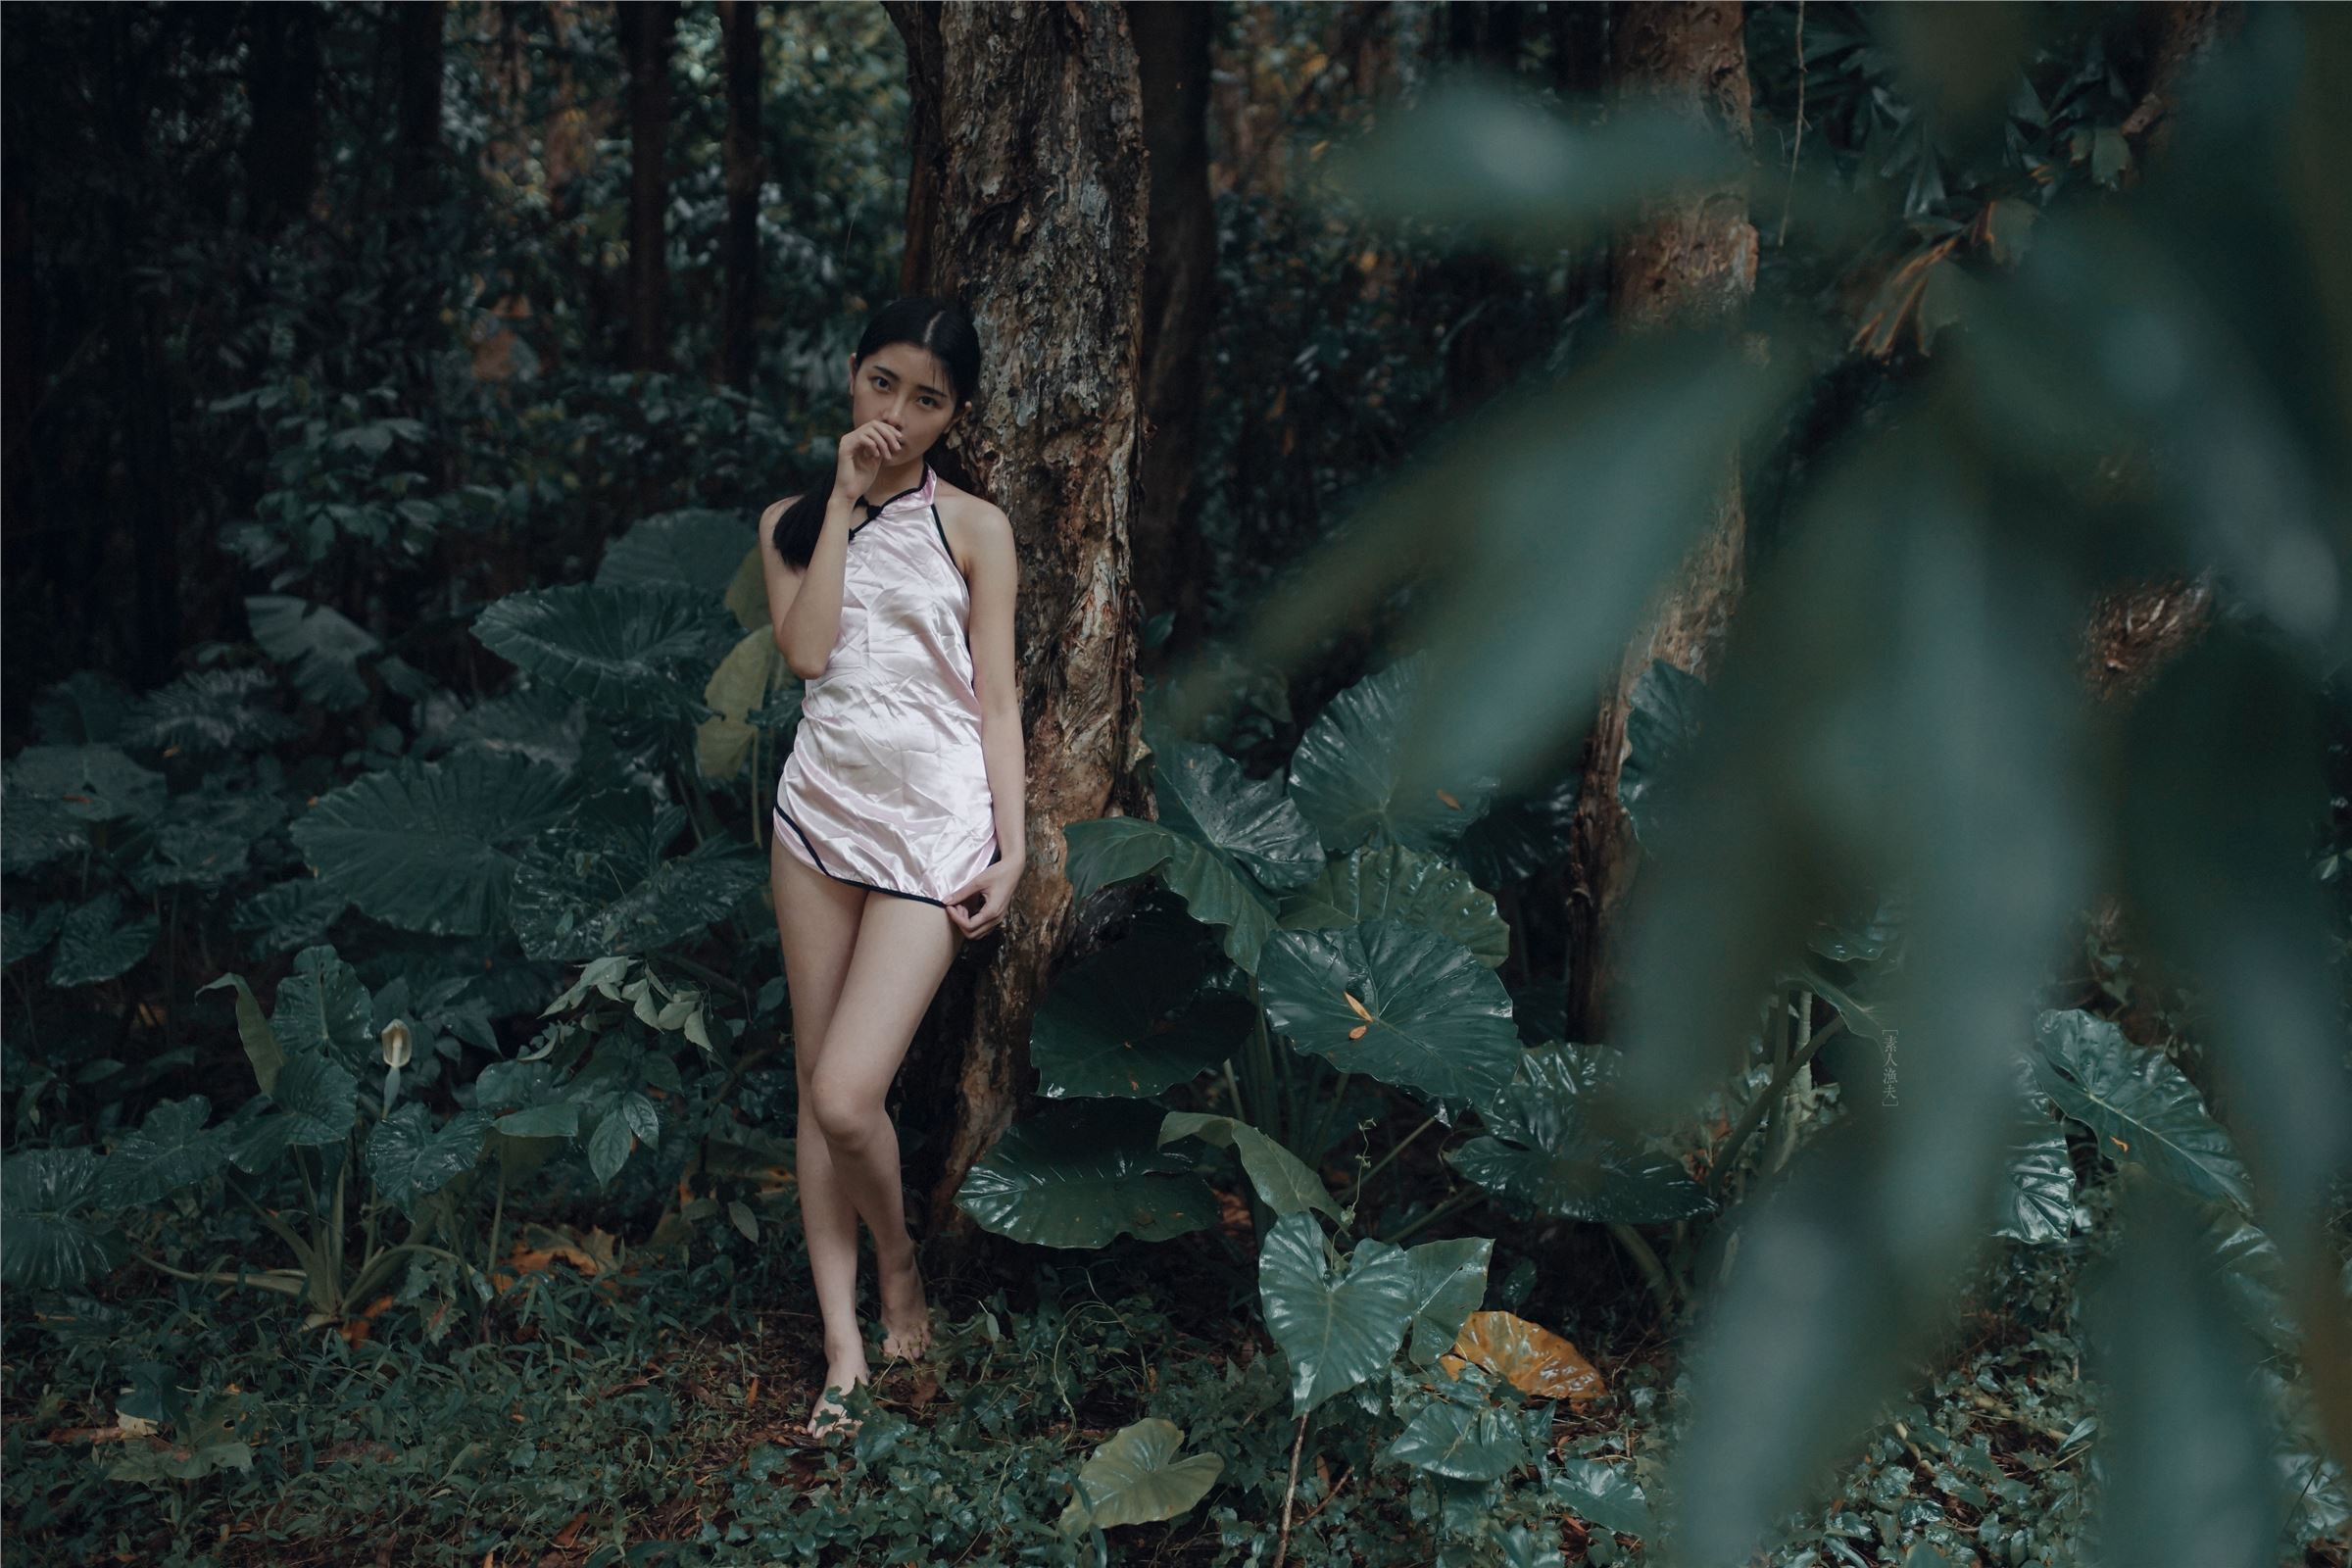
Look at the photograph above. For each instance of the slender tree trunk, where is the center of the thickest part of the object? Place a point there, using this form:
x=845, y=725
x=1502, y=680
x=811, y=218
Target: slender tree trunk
x=1171, y=44
x=421, y=53
x=739, y=24
x=281, y=91
x=1694, y=258
x=647, y=29
x=1037, y=223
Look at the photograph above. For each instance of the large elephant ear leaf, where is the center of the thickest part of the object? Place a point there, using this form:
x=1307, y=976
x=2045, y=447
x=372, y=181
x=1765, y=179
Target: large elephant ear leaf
x=1397, y=1002
x=1343, y=774
x=1132, y=1021
x=735, y=691
x=52, y=790
x=172, y=1149
x=1135, y=1478
x=427, y=845
x=317, y=1103
x=1662, y=721
x=322, y=1008
x=2138, y=1103
x=409, y=1159
x=324, y=646
x=623, y=649
x=601, y=883
x=1282, y=1179
x=1543, y=1154
x=1524, y=831
x=1464, y=1433
x=96, y=943
x=1222, y=844
x=1079, y=1172
x=1251, y=821
x=694, y=547
x=1396, y=883
x=1449, y=1283
x=1334, y=1335
x=44, y=1240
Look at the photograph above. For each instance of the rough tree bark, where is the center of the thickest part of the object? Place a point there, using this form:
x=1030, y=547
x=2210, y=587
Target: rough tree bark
x=1035, y=218
x=739, y=25
x=1691, y=258
x=1171, y=43
x=646, y=30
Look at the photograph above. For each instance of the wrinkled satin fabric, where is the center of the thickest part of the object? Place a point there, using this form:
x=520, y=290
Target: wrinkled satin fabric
x=886, y=786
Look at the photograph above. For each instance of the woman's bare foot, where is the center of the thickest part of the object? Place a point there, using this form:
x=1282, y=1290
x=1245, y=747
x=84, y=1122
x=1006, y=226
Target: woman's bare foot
x=828, y=1416
x=905, y=1315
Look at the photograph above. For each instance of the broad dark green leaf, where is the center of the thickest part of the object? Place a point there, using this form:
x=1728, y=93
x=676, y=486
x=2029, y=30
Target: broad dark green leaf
x=1467, y=1431
x=410, y=1158
x=1335, y=1332
x=602, y=882
x=1282, y=1179
x=323, y=645
x=1660, y=723
x=99, y=942
x=1343, y=774
x=1397, y=1002
x=1131, y=1020
x=321, y=1008
x=430, y=847
x=44, y=1239
x=1135, y=1477
x=695, y=548
x=1449, y=1284
x=2138, y=1103
x=626, y=651
x=171, y=1149
x=1401, y=884
x=317, y=1103
x=1076, y=1173
x=1546, y=1154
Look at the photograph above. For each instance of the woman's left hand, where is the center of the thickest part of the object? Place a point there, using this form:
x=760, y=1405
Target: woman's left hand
x=994, y=889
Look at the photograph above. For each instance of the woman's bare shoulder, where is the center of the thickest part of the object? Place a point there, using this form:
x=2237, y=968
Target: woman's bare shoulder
x=768, y=518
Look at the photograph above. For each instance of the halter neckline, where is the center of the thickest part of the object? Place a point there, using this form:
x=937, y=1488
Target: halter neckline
x=922, y=490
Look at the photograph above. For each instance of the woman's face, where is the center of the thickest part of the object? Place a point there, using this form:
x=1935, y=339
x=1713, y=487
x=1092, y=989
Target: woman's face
x=906, y=385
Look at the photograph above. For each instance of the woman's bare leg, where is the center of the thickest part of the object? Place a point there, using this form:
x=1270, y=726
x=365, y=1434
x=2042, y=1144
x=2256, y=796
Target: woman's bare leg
x=903, y=952
x=817, y=924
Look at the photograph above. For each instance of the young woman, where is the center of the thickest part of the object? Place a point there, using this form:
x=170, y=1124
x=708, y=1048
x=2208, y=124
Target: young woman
x=891, y=593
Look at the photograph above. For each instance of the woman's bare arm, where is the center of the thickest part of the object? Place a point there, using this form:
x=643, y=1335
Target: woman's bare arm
x=995, y=576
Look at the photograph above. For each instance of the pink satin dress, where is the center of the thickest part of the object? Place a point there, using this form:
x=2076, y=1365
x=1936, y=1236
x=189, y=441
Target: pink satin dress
x=886, y=786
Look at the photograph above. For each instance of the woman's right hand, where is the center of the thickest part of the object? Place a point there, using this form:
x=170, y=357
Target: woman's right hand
x=862, y=453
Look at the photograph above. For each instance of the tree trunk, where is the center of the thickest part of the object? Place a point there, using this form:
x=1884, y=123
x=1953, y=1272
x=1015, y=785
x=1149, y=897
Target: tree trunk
x=1694, y=258
x=739, y=24
x=648, y=27
x=2181, y=32
x=281, y=90
x=1036, y=226
x=1171, y=45
x=417, y=183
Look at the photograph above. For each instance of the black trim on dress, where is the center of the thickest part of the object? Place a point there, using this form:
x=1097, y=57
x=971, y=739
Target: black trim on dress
x=995, y=854
x=872, y=512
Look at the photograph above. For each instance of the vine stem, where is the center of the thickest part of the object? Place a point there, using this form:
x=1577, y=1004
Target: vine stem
x=1645, y=1257
x=1357, y=1191
x=1751, y=1117
x=1290, y=1493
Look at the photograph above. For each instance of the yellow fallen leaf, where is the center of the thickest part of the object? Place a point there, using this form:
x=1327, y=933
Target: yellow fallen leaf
x=1529, y=1358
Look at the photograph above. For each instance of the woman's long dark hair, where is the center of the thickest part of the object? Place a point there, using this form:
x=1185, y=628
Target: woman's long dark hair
x=936, y=325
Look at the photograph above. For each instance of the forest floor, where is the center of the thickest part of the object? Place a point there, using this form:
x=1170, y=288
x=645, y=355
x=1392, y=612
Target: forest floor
x=609, y=1407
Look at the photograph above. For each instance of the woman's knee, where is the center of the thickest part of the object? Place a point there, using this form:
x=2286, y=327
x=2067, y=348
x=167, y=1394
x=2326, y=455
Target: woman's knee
x=845, y=1111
